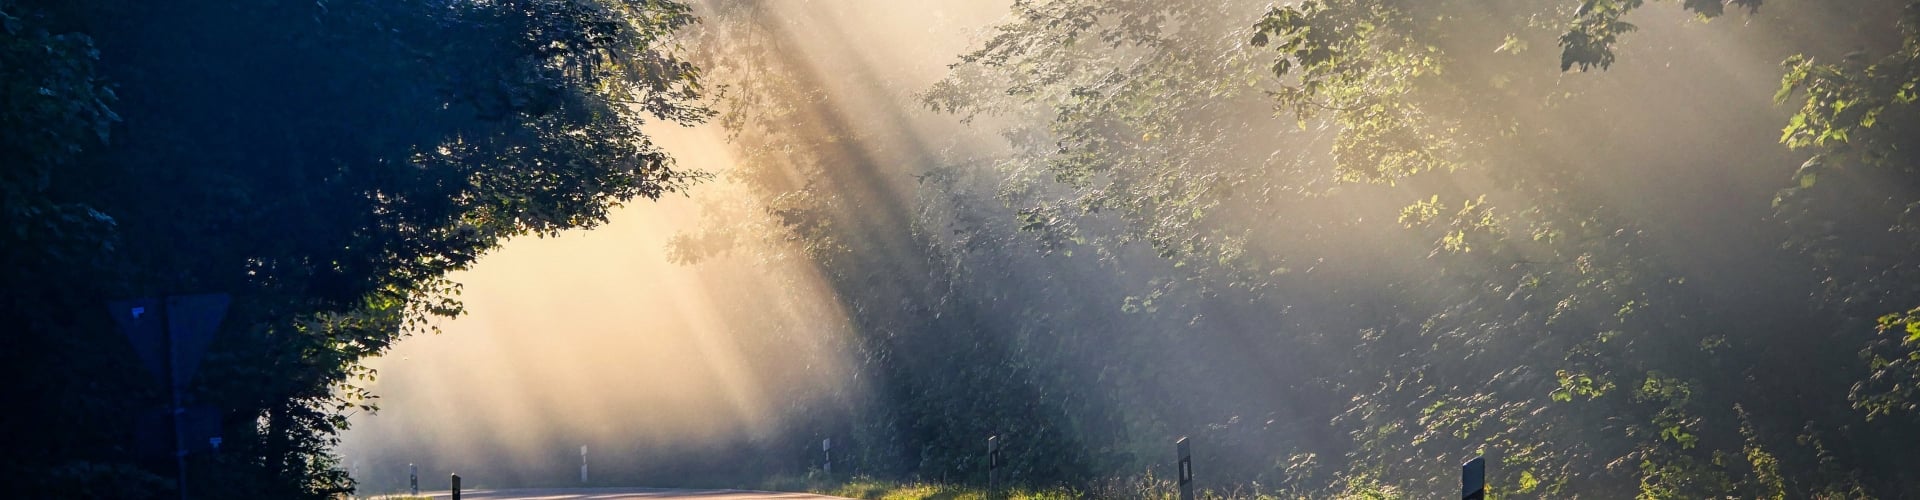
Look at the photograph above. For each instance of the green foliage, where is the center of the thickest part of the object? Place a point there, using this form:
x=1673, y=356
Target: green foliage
x=1597, y=27
x=1889, y=390
x=1339, y=244
x=326, y=163
x=1350, y=61
x=1580, y=385
x=1856, y=113
x=1845, y=99
x=1526, y=295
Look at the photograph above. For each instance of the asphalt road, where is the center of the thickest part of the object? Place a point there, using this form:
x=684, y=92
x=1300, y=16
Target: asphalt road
x=621, y=494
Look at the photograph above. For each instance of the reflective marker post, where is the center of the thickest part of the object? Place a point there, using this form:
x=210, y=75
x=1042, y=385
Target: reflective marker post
x=413, y=479
x=826, y=448
x=1186, y=468
x=1473, y=479
x=993, y=463
x=456, y=487
x=583, y=464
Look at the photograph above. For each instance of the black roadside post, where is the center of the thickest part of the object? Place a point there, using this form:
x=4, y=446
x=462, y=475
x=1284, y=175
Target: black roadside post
x=413, y=479
x=456, y=487
x=993, y=464
x=1186, y=468
x=1473, y=479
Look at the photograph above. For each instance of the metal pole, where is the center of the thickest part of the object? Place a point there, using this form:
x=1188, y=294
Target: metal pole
x=1473, y=479
x=1186, y=468
x=173, y=393
x=456, y=487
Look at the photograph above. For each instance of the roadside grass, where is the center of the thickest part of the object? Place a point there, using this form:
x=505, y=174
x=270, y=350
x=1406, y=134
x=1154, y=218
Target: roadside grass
x=874, y=489
x=1142, y=487
x=1145, y=487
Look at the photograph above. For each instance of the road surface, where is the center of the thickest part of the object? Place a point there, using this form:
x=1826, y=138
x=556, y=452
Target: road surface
x=621, y=494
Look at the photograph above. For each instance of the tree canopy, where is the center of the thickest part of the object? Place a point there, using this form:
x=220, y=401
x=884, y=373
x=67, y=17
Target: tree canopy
x=327, y=164
x=1347, y=244
x=1620, y=248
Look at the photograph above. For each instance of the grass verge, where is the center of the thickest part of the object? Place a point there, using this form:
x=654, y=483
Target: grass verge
x=874, y=489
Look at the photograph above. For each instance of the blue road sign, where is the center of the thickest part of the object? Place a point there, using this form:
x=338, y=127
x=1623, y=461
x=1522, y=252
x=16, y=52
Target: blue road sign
x=171, y=336
x=188, y=321
x=141, y=321
x=192, y=320
x=156, y=437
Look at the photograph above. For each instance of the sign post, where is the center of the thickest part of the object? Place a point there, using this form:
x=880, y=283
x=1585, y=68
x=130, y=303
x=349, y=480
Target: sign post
x=1186, y=468
x=171, y=336
x=1473, y=479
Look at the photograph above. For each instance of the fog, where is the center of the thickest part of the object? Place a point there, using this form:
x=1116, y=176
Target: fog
x=599, y=338
x=1096, y=244
x=594, y=338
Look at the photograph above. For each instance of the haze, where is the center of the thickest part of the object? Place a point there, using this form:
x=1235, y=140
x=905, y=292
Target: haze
x=933, y=222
